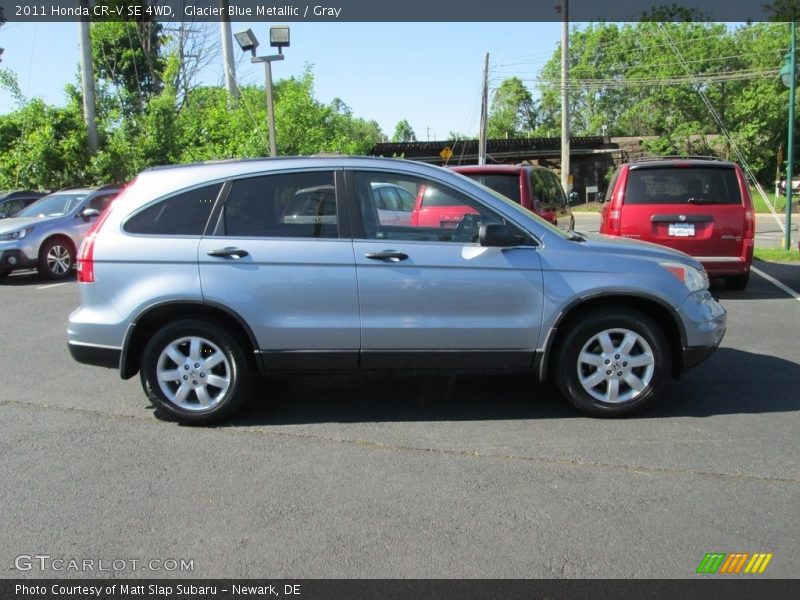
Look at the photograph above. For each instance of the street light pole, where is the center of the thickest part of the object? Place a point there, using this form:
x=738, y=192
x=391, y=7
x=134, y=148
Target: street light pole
x=278, y=38
x=267, y=60
x=563, y=8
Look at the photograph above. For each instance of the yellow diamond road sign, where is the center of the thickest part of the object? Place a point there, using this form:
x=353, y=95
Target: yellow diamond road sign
x=446, y=153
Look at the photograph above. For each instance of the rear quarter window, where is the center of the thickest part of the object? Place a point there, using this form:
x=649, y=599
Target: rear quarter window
x=183, y=214
x=682, y=185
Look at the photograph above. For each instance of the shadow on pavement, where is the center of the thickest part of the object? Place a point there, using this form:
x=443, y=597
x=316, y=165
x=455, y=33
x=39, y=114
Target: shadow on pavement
x=730, y=382
x=26, y=277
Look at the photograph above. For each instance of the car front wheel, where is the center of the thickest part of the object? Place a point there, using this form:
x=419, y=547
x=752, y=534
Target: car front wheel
x=195, y=372
x=613, y=363
x=56, y=259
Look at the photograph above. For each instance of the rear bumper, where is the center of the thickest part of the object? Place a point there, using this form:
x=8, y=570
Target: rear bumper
x=717, y=266
x=98, y=356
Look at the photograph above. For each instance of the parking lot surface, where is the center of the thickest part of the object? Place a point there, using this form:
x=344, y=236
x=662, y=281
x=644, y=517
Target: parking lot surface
x=397, y=476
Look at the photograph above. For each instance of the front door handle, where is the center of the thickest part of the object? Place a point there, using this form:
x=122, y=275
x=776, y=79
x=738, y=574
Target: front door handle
x=387, y=255
x=229, y=252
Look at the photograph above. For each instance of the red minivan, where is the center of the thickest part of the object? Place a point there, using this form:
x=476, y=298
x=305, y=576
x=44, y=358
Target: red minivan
x=699, y=206
x=535, y=187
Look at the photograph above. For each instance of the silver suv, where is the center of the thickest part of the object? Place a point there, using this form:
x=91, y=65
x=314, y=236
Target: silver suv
x=46, y=234
x=196, y=280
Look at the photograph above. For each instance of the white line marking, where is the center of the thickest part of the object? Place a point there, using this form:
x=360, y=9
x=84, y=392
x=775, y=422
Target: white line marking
x=776, y=283
x=52, y=285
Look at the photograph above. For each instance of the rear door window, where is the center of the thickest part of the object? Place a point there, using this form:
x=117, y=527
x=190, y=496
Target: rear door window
x=291, y=205
x=183, y=214
x=682, y=185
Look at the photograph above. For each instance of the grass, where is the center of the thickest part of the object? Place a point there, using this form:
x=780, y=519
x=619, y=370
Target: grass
x=761, y=207
x=590, y=207
x=776, y=255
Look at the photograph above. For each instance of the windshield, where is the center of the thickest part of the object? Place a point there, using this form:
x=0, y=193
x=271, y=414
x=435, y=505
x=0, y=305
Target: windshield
x=53, y=205
x=682, y=185
x=505, y=183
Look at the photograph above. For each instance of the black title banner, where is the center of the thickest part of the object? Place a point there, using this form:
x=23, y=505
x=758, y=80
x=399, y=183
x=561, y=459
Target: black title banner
x=318, y=589
x=406, y=11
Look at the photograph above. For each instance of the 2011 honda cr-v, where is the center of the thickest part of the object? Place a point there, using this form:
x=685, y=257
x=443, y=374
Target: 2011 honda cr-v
x=196, y=280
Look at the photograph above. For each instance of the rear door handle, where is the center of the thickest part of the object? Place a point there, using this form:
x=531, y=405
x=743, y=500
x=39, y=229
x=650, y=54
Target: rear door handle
x=387, y=255
x=229, y=252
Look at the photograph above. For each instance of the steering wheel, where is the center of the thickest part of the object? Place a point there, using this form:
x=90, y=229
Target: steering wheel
x=468, y=228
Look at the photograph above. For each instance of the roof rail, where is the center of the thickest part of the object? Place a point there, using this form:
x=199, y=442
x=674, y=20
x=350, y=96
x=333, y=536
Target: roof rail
x=676, y=157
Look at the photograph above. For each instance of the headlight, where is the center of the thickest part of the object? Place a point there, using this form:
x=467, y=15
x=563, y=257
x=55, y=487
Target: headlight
x=694, y=279
x=15, y=235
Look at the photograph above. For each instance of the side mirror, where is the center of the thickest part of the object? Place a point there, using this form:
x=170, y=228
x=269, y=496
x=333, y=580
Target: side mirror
x=498, y=235
x=573, y=197
x=88, y=213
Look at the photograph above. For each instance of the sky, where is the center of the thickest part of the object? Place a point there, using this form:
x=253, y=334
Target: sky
x=427, y=73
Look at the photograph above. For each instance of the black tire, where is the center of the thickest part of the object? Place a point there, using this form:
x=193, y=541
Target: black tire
x=737, y=282
x=56, y=258
x=576, y=374
x=4, y=274
x=226, y=384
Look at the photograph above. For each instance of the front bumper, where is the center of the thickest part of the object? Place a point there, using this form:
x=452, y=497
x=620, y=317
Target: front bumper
x=15, y=259
x=704, y=322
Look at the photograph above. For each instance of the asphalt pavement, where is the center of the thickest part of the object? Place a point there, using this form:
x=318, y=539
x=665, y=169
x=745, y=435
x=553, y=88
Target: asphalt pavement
x=394, y=476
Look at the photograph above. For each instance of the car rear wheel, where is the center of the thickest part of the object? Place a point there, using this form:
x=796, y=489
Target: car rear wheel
x=56, y=259
x=4, y=274
x=737, y=282
x=195, y=372
x=613, y=363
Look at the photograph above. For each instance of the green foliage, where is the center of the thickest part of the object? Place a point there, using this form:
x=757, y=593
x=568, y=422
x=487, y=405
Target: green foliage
x=403, y=132
x=127, y=55
x=645, y=79
x=42, y=147
x=513, y=112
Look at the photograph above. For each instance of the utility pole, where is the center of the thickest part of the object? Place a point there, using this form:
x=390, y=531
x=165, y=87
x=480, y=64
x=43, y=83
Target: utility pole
x=484, y=112
x=790, y=142
x=87, y=79
x=563, y=8
x=227, y=52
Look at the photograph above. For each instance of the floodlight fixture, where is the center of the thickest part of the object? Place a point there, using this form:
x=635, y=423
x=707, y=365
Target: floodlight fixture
x=279, y=38
x=247, y=41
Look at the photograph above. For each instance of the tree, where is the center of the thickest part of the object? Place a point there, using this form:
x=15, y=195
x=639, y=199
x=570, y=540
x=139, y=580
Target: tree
x=513, y=111
x=403, y=132
x=646, y=79
x=127, y=55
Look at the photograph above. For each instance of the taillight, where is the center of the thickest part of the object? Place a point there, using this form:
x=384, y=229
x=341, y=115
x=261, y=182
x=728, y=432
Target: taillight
x=614, y=225
x=86, y=252
x=749, y=224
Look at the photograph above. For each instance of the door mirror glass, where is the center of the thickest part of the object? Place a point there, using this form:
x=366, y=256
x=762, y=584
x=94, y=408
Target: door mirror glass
x=499, y=235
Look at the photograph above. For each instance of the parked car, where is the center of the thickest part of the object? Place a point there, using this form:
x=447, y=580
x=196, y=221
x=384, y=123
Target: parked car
x=46, y=234
x=197, y=303
x=701, y=207
x=795, y=186
x=318, y=205
x=12, y=203
x=535, y=187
